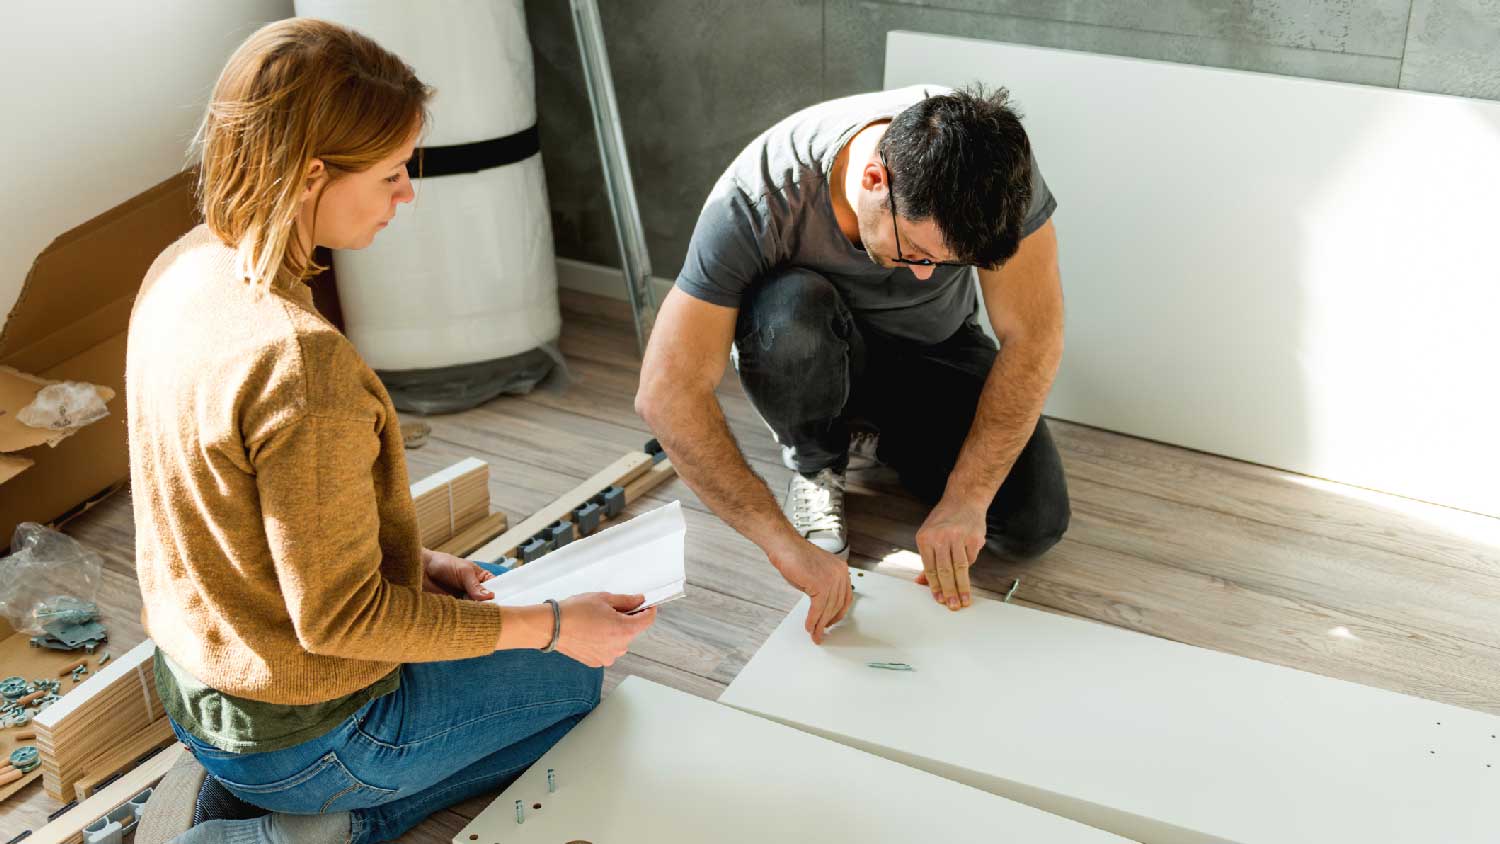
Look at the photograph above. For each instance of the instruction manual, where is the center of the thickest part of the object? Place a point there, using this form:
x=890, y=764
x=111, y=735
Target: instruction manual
x=641, y=556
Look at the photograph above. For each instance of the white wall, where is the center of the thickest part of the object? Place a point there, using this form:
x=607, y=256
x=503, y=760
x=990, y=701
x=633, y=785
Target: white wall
x=1297, y=273
x=101, y=99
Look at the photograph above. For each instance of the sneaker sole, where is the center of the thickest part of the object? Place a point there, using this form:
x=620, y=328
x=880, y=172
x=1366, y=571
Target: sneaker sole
x=842, y=553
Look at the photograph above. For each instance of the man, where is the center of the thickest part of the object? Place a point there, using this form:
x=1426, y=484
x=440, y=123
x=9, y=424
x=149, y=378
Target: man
x=835, y=260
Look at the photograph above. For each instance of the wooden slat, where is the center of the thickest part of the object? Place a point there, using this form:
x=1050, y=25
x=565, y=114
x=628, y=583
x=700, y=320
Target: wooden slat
x=68, y=828
x=661, y=472
x=622, y=471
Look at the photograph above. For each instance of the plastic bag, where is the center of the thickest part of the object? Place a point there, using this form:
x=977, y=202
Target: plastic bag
x=48, y=577
x=59, y=407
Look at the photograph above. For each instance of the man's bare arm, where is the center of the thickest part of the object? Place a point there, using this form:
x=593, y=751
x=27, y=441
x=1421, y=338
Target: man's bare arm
x=683, y=365
x=1025, y=305
x=684, y=361
x=1024, y=301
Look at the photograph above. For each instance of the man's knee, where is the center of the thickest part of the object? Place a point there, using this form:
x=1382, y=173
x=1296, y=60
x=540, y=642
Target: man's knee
x=792, y=318
x=1031, y=532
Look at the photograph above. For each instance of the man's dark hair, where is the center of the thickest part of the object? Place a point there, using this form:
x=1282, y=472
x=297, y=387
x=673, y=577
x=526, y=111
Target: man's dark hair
x=963, y=161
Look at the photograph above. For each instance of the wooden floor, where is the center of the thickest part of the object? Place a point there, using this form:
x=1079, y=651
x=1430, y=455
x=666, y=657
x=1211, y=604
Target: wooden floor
x=1243, y=559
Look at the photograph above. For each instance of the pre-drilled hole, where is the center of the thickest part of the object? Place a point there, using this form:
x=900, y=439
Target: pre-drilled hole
x=536, y=805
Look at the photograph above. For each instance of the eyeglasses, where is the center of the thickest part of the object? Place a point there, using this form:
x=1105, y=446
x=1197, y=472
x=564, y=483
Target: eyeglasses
x=890, y=192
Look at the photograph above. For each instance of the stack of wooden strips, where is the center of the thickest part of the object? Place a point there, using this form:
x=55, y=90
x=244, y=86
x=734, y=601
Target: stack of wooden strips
x=451, y=500
x=474, y=535
x=109, y=719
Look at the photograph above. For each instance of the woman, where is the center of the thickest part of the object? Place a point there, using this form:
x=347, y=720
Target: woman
x=311, y=654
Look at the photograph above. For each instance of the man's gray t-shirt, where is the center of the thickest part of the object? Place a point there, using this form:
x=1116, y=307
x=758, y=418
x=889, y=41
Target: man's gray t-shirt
x=772, y=208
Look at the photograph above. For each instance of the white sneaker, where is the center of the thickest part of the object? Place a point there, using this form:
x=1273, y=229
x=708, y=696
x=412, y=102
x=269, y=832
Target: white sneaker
x=815, y=507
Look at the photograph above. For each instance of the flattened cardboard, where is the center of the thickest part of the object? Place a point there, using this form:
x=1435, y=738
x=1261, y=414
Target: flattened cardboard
x=69, y=325
x=11, y=465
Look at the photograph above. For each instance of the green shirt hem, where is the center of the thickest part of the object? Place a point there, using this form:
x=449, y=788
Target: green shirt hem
x=240, y=725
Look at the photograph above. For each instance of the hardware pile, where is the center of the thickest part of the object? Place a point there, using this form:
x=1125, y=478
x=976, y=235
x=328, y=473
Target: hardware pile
x=71, y=624
x=20, y=700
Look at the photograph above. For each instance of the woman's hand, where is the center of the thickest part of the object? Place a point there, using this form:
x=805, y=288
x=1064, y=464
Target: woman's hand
x=446, y=574
x=595, y=628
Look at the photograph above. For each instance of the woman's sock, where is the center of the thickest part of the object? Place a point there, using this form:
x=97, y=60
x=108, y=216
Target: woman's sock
x=274, y=828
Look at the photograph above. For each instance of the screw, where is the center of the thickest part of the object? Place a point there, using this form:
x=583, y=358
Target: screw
x=520, y=813
x=551, y=781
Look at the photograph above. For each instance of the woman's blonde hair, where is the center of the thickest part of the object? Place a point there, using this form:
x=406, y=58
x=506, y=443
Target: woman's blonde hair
x=296, y=90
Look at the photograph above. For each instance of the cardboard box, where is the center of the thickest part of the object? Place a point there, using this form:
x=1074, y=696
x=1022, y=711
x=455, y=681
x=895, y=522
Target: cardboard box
x=69, y=324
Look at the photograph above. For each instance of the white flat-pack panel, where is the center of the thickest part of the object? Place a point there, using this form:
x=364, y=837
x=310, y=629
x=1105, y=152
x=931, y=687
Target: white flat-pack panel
x=656, y=765
x=1157, y=741
x=640, y=556
x=101, y=101
x=1299, y=273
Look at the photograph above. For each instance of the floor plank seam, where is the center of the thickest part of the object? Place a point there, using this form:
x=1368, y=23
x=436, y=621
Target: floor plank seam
x=1374, y=620
x=679, y=669
x=1300, y=531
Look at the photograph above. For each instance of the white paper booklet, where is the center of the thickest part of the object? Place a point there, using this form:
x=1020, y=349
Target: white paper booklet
x=641, y=556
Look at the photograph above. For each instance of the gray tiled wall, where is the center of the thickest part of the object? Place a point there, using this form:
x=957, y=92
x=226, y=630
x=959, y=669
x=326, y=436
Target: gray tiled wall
x=697, y=79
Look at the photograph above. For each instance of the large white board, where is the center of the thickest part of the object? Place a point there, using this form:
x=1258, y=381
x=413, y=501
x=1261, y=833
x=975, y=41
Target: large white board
x=658, y=766
x=1157, y=741
x=1299, y=273
x=101, y=101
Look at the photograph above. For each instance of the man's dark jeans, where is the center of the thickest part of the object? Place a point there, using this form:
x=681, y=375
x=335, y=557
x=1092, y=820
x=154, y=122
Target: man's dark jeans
x=809, y=367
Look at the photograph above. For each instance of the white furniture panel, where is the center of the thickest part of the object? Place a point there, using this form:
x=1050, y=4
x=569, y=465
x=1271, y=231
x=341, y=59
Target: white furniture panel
x=1298, y=273
x=1157, y=741
x=101, y=101
x=656, y=765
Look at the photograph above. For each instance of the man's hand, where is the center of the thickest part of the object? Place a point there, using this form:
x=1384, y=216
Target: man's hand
x=949, y=542
x=446, y=574
x=822, y=577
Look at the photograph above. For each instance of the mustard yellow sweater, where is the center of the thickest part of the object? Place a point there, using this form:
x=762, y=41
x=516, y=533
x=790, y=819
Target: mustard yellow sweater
x=276, y=542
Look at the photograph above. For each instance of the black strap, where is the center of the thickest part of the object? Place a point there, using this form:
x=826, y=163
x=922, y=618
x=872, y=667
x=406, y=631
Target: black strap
x=474, y=157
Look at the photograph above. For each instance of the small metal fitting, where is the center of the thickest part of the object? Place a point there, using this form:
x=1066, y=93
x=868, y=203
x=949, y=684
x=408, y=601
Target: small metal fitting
x=25, y=758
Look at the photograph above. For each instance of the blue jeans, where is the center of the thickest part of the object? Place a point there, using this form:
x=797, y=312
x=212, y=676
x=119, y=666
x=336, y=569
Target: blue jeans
x=809, y=367
x=451, y=731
